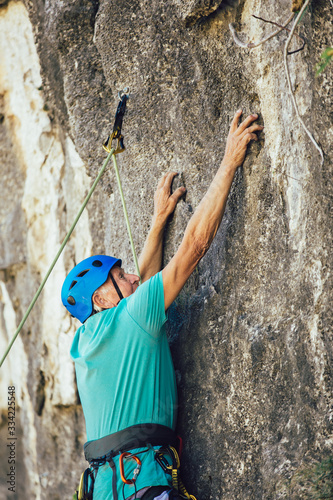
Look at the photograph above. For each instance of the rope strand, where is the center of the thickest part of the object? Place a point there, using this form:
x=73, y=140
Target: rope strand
x=126, y=217
x=37, y=294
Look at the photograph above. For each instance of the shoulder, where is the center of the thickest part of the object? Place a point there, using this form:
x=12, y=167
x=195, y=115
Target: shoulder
x=149, y=289
x=91, y=334
x=146, y=305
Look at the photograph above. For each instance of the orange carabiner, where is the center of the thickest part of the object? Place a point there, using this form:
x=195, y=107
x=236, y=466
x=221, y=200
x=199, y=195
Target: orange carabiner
x=136, y=470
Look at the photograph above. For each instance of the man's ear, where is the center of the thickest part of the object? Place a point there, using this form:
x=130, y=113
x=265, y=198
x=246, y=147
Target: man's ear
x=98, y=300
x=101, y=301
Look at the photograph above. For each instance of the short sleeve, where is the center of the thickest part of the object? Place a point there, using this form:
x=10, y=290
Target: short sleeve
x=146, y=305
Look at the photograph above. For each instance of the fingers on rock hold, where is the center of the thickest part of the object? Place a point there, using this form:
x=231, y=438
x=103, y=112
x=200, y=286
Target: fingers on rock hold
x=235, y=120
x=255, y=128
x=250, y=137
x=247, y=122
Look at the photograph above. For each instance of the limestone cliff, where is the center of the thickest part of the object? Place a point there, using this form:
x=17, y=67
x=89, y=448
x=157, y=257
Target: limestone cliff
x=251, y=333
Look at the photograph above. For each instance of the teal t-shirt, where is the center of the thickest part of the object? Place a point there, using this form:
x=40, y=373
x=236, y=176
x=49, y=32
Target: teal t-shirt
x=125, y=376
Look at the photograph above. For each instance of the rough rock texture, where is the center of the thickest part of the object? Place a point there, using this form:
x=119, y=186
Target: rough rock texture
x=251, y=332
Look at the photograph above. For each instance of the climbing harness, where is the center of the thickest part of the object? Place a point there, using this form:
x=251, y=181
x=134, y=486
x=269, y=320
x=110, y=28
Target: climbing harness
x=104, y=450
x=135, y=436
x=116, y=134
x=101, y=451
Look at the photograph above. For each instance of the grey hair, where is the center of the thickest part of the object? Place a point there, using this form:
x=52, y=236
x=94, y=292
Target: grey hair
x=102, y=290
x=96, y=308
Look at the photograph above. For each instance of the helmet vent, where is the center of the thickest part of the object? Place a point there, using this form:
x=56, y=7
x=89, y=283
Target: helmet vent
x=71, y=300
x=72, y=284
x=97, y=263
x=82, y=273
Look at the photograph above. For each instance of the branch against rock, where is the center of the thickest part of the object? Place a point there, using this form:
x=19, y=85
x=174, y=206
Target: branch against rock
x=251, y=45
x=285, y=28
x=285, y=56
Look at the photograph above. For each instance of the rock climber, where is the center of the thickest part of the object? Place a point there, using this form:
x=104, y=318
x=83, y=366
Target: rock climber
x=124, y=370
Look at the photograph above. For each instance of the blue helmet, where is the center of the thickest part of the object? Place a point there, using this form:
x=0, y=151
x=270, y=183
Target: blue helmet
x=83, y=281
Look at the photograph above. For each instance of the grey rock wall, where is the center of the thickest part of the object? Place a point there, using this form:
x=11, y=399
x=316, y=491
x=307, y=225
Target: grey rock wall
x=251, y=333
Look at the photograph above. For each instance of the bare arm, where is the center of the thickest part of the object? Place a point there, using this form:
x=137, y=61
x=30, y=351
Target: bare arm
x=150, y=261
x=206, y=220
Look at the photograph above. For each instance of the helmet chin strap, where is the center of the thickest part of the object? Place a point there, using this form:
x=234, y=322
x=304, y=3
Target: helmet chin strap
x=120, y=295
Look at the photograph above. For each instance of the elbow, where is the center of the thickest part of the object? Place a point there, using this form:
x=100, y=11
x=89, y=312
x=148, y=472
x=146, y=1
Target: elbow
x=198, y=245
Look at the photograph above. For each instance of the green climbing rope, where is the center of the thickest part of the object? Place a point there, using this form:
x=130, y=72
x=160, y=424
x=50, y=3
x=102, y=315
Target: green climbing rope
x=126, y=217
x=92, y=189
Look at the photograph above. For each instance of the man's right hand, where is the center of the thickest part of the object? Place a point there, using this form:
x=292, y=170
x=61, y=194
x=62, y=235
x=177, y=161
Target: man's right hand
x=238, y=139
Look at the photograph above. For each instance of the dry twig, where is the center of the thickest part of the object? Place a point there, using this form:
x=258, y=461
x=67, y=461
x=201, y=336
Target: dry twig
x=251, y=45
x=285, y=28
x=306, y=3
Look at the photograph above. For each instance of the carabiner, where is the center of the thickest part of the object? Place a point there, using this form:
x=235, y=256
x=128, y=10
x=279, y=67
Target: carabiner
x=162, y=461
x=123, y=92
x=107, y=145
x=136, y=470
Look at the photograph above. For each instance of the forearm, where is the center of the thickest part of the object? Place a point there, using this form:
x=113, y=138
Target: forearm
x=199, y=234
x=207, y=218
x=150, y=261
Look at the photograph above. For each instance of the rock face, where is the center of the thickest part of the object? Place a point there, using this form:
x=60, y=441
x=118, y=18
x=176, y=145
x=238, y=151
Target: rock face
x=251, y=333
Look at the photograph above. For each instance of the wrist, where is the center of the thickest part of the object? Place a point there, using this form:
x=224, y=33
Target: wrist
x=228, y=167
x=158, y=223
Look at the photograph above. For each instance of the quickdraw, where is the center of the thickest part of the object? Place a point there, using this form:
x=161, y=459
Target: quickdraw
x=172, y=469
x=116, y=134
x=85, y=491
x=118, y=122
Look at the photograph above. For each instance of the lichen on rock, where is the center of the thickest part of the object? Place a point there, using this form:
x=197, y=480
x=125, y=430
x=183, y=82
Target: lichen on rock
x=296, y=5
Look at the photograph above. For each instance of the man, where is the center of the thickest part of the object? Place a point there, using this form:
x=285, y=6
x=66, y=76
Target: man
x=124, y=370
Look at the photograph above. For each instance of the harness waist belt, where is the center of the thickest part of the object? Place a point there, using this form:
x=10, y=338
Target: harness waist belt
x=135, y=436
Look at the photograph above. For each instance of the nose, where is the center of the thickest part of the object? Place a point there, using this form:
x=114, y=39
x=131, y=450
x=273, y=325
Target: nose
x=134, y=279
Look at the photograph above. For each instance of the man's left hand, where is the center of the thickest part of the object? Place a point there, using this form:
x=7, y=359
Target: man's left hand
x=164, y=201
